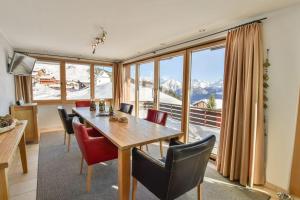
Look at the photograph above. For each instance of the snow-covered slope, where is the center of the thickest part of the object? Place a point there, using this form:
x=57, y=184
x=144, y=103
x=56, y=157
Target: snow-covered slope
x=146, y=94
x=81, y=73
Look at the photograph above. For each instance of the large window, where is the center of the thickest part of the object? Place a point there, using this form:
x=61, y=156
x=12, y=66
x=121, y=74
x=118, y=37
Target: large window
x=46, y=84
x=103, y=82
x=187, y=84
x=146, y=88
x=206, y=93
x=78, y=81
x=57, y=81
x=170, y=89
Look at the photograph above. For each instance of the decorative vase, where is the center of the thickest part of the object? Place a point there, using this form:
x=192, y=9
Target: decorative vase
x=111, y=110
x=93, y=106
x=101, y=106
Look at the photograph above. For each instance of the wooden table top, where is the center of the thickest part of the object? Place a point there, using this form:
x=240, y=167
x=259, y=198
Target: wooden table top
x=136, y=132
x=9, y=142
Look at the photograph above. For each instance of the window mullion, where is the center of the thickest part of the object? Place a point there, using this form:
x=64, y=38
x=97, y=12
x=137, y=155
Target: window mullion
x=63, y=81
x=92, y=81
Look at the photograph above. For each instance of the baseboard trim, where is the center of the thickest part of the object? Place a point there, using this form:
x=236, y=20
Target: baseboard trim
x=275, y=188
x=49, y=130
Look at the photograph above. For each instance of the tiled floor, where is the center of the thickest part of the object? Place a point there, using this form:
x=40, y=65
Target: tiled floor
x=24, y=186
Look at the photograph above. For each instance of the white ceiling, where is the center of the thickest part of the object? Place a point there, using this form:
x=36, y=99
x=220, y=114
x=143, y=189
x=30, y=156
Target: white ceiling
x=67, y=27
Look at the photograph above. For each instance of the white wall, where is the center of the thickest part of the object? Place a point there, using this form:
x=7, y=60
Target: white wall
x=48, y=117
x=7, y=89
x=282, y=37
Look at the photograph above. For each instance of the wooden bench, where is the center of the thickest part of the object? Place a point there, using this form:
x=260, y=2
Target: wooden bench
x=9, y=142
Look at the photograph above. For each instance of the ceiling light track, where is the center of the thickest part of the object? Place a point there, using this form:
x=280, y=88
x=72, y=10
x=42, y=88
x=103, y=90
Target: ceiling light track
x=99, y=40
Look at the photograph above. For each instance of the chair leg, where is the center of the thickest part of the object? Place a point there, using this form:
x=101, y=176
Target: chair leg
x=141, y=148
x=89, y=178
x=69, y=142
x=199, y=189
x=65, y=138
x=161, y=149
x=147, y=147
x=81, y=164
x=134, y=188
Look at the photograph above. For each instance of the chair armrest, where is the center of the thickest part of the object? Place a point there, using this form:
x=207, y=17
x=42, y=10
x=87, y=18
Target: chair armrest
x=72, y=115
x=175, y=141
x=150, y=172
x=140, y=156
x=93, y=132
x=99, y=149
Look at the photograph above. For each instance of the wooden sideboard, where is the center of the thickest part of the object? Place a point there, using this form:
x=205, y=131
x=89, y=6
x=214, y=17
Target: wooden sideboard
x=28, y=112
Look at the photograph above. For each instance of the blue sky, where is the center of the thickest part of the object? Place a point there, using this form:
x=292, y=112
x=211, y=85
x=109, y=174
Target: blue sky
x=207, y=65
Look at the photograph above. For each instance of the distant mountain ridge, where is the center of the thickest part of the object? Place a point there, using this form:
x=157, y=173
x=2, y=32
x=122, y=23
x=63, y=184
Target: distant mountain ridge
x=199, y=89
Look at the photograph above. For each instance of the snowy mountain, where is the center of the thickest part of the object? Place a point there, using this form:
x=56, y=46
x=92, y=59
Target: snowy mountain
x=199, y=84
x=199, y=89
x=171, y=85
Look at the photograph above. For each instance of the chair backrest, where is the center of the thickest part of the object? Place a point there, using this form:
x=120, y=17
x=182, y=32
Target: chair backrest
x=157, y=116
x=187, y=164
x=81, y=135
x=65, y=119
x=126, y=108
x=84, y=103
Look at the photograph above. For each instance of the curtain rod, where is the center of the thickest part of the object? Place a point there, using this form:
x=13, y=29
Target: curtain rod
x=199, y=38
x=67, y=57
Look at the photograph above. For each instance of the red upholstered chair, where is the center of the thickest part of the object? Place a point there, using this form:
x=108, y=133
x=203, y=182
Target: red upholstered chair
x=94, y=148
x=84, y=103
x=157, y=117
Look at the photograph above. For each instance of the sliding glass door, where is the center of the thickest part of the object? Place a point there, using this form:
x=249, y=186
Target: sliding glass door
x=206, y=93
x=170, y=89
x=145, y=88
x=188, y=85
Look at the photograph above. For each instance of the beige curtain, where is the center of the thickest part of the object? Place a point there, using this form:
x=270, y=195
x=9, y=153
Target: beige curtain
x=241, y=154
x=23, y=88
x=118, y=85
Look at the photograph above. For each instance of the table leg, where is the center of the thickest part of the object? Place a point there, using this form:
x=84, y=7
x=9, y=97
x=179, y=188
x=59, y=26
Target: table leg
x=23, y=154
x=124, y=173
x=3, y=185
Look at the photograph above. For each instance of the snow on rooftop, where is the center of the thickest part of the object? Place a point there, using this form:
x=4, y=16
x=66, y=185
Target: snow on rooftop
x=219, y=102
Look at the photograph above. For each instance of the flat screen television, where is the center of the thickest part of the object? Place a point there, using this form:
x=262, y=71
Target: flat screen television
x=21, y=64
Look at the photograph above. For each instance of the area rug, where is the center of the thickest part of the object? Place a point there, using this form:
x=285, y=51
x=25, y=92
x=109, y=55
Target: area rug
x=59, y=178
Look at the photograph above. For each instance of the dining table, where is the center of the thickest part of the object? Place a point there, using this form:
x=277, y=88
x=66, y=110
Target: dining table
x=10, y=141
x=135, y=132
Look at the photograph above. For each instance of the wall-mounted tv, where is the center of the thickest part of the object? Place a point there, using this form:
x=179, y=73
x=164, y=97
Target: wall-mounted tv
x=21, y=65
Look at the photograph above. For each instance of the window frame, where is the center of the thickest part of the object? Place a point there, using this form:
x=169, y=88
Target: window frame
x=63, y=83
x=187, y=55
x=65, y=75
x=60, y=77
x=93, y=79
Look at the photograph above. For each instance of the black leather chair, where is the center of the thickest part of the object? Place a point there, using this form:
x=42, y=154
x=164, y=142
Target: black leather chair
x=126, y=108
x=67, y=123
x=183, y=169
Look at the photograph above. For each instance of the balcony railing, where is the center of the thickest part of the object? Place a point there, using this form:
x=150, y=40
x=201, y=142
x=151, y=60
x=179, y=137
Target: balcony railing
x=198, y=116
